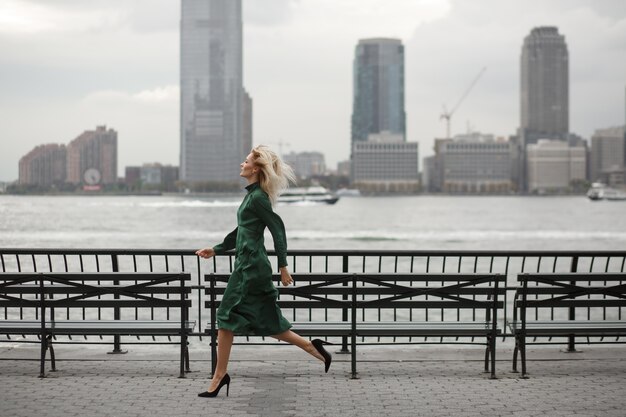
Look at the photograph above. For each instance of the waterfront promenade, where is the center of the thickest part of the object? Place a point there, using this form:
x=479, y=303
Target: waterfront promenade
x=282, y=381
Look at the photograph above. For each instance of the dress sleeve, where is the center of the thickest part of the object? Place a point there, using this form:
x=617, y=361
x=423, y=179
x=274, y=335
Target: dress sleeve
x=229, y=242
x=263, y=208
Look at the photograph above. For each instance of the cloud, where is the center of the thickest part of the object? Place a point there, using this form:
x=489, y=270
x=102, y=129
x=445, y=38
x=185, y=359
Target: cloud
x=350, y=19
x=28, y=17
x=167, y=94
x=93, y=16
x=267, y=12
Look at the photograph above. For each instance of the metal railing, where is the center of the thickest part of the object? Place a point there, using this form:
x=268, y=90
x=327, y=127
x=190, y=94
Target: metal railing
x=507, y=263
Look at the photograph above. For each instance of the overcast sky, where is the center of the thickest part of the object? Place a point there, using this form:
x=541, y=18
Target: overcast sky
x=69, y=65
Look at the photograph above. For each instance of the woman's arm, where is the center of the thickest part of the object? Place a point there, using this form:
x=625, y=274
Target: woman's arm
x=263, y=208
x=229, y=243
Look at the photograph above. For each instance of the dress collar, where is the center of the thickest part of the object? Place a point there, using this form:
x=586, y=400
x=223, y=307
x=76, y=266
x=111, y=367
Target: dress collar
x=252, y=186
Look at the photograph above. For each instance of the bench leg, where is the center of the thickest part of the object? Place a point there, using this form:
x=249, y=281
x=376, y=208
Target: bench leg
x=183, y=347
x=487, y=350
x=353, y=358
x=523, y=356
x=492, y=349
x=50, y=346
x=490, y=356
x=187, y=368
x=213, y=353
x=515, y=351
x=42, y=360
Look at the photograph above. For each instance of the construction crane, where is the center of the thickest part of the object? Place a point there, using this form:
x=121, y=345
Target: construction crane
x=280, y=144
x=448, y=114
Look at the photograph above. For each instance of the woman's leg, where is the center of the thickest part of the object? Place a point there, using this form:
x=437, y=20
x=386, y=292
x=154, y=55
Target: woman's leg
x=224, y=344
x=297, y=340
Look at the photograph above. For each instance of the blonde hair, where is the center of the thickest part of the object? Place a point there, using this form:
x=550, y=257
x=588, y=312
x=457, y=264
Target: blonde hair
x=274, y=174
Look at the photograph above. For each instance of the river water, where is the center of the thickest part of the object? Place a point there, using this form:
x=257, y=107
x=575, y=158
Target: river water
x=406, y=222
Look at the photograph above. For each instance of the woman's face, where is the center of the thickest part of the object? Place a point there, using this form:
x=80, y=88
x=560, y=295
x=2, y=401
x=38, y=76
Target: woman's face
x=249, y=170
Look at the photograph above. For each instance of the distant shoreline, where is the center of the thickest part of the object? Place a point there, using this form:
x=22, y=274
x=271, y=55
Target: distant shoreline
x=236, y=194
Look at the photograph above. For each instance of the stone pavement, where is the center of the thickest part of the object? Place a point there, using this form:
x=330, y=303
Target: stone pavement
x=282, y=381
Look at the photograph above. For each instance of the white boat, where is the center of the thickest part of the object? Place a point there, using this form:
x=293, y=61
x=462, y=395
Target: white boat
x=309, y=194
x=599, y=191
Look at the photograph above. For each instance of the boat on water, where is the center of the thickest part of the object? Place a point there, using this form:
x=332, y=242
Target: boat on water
x=599, y=191
x=314, y=194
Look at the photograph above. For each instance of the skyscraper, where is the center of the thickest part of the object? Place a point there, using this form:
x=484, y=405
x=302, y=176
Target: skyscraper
x=246, y=123
x=544, y=85
x=211, y=86
x=378, y=97
x=381, y=159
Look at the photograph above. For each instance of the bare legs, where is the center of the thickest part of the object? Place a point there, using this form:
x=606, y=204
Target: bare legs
x=224, y=344
x=297, y=340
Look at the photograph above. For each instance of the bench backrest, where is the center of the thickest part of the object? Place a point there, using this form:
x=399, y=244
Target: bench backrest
x=92, y=295
x=387, y=297
x=568, y=296
x=314, y=297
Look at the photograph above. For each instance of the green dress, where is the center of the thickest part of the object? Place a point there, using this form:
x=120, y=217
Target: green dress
x=248, y=307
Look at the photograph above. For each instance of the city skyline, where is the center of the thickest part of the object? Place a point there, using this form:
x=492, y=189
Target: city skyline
x=72, y=65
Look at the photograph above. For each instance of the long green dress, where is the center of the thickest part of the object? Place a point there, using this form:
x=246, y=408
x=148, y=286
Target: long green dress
x=248, y=306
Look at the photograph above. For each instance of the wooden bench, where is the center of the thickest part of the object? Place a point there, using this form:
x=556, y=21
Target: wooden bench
x=82, y=304
x=567, y=305
x=367, y=306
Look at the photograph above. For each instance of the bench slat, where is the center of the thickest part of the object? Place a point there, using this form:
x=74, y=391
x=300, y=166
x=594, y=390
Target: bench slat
x=96, y=326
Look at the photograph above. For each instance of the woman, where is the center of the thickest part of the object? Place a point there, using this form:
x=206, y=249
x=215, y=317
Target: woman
x=248, y=306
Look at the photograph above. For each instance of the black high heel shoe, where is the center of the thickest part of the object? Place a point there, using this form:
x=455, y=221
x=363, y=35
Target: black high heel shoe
x=225, y=381
x=319, y=345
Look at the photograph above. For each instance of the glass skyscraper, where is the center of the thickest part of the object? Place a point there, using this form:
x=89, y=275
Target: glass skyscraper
x=378, y=98
x=381, y=158
x=211, y=88
x=544, y=85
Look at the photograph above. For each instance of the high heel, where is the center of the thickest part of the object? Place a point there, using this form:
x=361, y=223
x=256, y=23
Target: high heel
x=319, y=345
x=225, y=381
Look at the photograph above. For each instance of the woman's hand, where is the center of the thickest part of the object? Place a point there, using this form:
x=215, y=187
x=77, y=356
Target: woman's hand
x=285, y=276
x=205, y=253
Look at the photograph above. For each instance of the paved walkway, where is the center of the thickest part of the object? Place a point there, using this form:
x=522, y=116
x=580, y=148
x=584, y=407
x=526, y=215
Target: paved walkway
x=281, y=381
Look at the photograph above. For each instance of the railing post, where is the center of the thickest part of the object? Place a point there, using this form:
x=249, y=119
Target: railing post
x=353, y=328
x=344, y=312
x=44, y=340
x=213, y=326
x=117, y=345
x=571, y=343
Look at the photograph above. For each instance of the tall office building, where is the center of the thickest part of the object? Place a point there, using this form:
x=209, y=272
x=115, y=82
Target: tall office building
x=544, y=86
x=378, y=97
x=211, y=86
x=246, y=123
x=381, y=159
